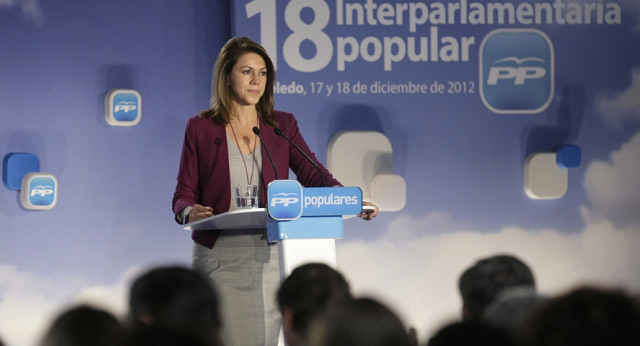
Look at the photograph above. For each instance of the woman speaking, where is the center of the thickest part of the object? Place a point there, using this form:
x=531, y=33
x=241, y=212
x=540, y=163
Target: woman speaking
x=221, y=152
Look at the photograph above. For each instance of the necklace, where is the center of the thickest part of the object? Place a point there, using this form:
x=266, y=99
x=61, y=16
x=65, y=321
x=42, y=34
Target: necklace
x=253, y=153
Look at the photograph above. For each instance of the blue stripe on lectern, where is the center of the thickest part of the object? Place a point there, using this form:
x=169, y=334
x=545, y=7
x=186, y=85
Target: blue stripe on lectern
x=315, y=227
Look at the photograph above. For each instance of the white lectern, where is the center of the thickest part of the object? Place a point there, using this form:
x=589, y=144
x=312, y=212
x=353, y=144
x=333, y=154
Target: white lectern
x=304, y=221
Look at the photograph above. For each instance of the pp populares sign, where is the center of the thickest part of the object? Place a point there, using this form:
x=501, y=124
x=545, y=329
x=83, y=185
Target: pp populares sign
x=288, y=200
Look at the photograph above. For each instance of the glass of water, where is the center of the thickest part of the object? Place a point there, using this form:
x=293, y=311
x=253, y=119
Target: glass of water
x=247, y=196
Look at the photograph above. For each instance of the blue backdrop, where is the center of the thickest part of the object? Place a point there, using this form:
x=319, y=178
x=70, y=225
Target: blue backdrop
x=462, y=161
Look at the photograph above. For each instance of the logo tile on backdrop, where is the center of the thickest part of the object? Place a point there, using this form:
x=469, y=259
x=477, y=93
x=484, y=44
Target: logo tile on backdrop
x=123, y=107
x=39, y=191
x=516, y=71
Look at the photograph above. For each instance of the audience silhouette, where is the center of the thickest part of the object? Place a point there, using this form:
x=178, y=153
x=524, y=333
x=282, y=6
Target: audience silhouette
x=470, y=333
x=359, y=322
x=308, y=291
x=585, y=316
x=481, y=283
x=159, y=336
x=85, y=326
x=510, y=308
x=176, y=306
x=177, y=300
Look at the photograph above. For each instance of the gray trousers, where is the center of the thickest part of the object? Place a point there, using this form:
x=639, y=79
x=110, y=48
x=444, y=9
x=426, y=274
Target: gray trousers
x=244, y=270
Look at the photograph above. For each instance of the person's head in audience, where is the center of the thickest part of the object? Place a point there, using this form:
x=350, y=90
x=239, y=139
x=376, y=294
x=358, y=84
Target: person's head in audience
x=178, y=300
x=157, y=336
x=481, y=283
x=585, y=316
x=84, y=326
x=470, y=333
x=511, y=307
x=308, y=291
x=359, y=322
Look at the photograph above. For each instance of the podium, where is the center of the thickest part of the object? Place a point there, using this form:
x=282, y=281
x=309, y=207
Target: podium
x=305, y=222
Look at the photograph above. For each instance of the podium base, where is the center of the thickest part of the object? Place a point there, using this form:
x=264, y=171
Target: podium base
x=293, y=253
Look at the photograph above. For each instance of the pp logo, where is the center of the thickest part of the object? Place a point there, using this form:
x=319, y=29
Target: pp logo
x=516, y=71
x=39, y=191
x=122, y=107
x=284, y=200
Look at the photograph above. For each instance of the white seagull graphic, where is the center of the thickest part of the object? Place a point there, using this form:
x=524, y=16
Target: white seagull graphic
x=518, y=61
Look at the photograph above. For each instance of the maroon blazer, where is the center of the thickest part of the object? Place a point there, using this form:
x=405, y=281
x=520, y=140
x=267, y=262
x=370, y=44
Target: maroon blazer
x=203, y=176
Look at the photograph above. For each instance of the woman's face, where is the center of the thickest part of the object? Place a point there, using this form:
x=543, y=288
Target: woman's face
x=248, y=79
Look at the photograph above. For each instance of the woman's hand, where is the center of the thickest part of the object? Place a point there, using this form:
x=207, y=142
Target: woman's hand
x=199, y=212
x=368, y=214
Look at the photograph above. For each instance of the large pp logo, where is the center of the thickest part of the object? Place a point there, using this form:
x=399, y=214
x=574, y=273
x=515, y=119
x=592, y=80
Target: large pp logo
x=284, y=200
x=516, y=71
x=123, y=107
x=39, y=191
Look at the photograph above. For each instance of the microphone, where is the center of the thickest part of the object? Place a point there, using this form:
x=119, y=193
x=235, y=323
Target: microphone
x=256, y=130
x=279, y=133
